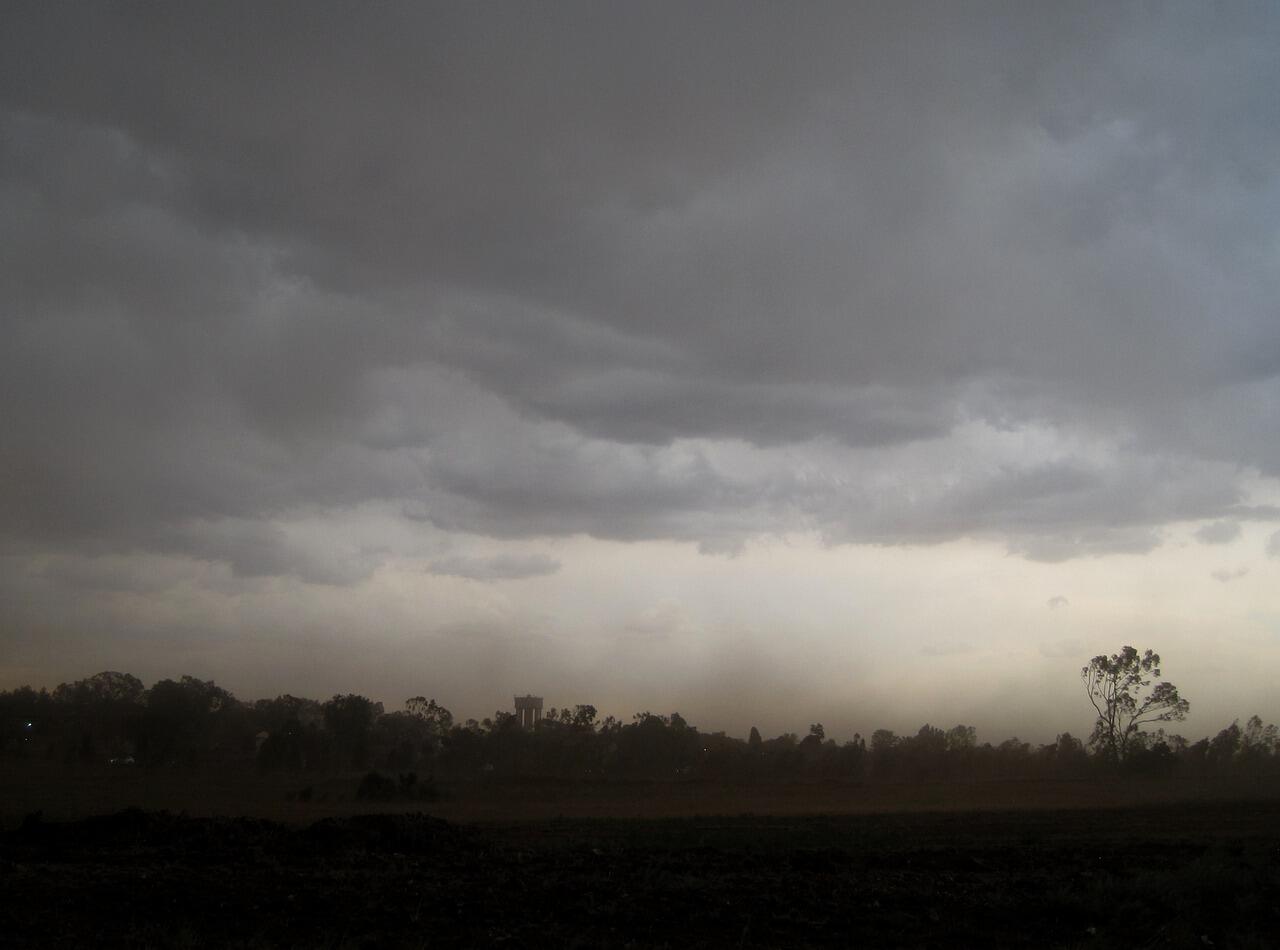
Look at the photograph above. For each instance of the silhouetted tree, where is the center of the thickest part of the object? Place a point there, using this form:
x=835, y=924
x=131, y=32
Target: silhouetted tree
x=884, y=753
x=1119, y=687
x=463, y=749
x=348, y=720
x=435, y=721
x=925, y=753
x=275, y=715
x=961, y=739
x=293, y=727
x=429, y=711
x=1068, y=756
x=190, y=721
x=1223, y=747
x=187, y=719
x=1258, y=746
x=853, y=757
x=400, y=741
x=812, y=753
x=100, y=713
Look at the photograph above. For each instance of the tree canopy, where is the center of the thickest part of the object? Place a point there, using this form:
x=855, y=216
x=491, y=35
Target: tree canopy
x=1121, y=691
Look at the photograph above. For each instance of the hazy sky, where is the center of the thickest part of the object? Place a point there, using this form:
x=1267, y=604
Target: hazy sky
x=776, y=363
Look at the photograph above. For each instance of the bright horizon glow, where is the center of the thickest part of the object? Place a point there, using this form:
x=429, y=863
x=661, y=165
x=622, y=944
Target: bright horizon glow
x=785, y=633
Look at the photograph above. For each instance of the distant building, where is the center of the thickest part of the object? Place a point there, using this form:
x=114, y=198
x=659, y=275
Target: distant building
x=529, y=709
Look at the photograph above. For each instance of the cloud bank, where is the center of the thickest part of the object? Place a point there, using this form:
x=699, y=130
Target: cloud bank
x=888, y=276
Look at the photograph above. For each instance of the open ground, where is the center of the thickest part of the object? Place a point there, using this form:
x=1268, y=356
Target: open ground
x=634, y=864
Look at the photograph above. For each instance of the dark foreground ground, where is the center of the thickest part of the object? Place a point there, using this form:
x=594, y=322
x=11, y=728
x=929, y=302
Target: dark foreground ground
x=1182, y=875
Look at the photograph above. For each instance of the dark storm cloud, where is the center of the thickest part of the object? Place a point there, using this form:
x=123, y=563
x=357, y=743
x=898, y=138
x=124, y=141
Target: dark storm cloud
x=256, y=549
x=529, y=269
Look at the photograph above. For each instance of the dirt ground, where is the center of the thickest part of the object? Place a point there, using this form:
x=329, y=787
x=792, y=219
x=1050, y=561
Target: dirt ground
x=68, y=792
x=1172, y=875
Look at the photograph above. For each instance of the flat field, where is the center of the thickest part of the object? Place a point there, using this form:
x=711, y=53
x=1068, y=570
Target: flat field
x=972, y=874
x=69, y=792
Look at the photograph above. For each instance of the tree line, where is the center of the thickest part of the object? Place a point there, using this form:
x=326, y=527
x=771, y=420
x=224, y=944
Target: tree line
x=113, y=718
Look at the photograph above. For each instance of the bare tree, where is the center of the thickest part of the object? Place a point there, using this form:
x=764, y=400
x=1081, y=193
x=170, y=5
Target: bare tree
x=1119, y=687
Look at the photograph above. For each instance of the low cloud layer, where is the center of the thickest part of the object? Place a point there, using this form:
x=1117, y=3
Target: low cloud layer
x=500, y=567
x=1226, y=575
x=1219, y=532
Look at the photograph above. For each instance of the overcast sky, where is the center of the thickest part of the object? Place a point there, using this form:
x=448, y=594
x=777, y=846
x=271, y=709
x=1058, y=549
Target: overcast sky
x=870, y=364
